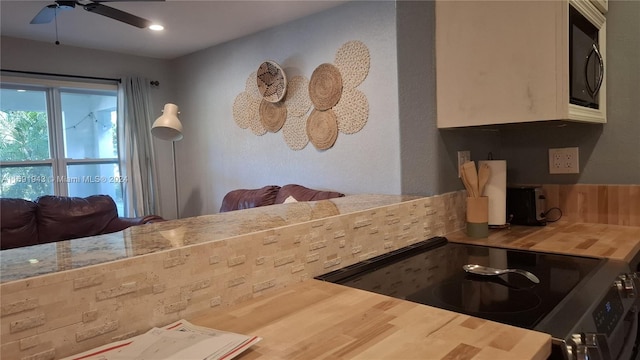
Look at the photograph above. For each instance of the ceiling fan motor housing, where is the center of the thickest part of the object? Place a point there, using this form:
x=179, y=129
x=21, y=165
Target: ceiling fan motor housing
x=66, y=5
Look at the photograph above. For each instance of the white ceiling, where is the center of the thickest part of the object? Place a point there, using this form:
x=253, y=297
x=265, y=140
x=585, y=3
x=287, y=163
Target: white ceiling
x=189, y=25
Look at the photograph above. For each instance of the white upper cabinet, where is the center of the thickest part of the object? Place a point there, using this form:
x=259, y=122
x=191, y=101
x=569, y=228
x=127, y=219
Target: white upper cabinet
x=503, y=62
x=602, y=5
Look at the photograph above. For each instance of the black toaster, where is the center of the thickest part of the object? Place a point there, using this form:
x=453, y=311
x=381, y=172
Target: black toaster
x=526, y=205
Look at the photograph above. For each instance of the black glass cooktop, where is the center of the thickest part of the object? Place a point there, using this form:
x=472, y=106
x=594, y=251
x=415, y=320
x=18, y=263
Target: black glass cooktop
x=430, y=272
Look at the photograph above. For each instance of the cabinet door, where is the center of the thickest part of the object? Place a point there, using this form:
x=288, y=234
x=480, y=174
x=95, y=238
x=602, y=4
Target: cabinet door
x=498, y=61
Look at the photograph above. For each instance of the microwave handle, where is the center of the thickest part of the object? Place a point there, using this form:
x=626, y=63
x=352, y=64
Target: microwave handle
x=594, y=50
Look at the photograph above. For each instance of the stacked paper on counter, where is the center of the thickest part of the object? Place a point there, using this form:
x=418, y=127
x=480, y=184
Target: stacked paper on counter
x=180, y=340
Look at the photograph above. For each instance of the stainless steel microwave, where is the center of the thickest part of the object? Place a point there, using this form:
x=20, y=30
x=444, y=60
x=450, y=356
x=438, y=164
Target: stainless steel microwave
x=586, y=63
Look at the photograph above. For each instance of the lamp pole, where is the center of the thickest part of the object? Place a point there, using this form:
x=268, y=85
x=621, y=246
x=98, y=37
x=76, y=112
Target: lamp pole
x=168, y=127
x=175, y=178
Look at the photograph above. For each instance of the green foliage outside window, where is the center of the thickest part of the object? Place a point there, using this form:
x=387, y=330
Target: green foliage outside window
x=24, y=135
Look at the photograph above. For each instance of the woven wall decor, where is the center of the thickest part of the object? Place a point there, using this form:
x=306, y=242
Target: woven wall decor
x=251, y=110
x=240, y=106
x=272, y=115
x=255, y=124
x=353, y=61
x=295, y=133
x=251, y=86
x=352, y=111
x=297, y=98
x=272, y=81
x=349, y=105
x=271, y=102
x=325, y=86
x=246, y=107
x=322, y=128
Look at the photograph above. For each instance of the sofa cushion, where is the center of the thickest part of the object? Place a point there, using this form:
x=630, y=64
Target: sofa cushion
x=301, y=193
x=249, y=198
x=18, y=225
x=63, y=218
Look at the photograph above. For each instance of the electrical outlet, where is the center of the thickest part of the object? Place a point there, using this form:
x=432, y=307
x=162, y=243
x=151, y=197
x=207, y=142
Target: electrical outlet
x=564, y=161
x=463, y=157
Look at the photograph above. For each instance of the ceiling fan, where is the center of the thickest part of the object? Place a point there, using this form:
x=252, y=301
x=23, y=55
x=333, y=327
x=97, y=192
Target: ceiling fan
x=49, y=12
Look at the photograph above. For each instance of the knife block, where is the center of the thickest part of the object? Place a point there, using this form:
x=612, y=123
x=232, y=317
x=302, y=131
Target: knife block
x=478, y=217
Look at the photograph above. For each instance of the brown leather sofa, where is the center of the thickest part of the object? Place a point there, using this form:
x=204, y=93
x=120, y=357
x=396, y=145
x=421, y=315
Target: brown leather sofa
x=272, y=194
x=55, y=218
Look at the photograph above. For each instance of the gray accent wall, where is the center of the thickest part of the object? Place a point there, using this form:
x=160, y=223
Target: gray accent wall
x=428, y=155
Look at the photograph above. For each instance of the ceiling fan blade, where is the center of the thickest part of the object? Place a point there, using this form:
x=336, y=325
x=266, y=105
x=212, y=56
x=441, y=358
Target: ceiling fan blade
x=101, y=1
x=45, y=15
x=119, y=15
x=48, y=13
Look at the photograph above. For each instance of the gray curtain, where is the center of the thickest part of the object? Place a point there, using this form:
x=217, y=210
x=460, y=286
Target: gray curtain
x=137, y=160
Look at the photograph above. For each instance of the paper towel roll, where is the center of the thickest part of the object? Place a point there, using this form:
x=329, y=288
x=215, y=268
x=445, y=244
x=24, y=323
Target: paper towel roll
x=496, y=191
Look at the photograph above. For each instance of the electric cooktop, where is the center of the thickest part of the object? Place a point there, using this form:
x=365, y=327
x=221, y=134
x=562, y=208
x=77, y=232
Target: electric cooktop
x=430, y=272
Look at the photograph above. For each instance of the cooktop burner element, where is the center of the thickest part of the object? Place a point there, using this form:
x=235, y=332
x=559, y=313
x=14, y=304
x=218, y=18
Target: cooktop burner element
x=480, y=296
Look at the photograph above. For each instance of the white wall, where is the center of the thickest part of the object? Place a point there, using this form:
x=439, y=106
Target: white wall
x=217, y=156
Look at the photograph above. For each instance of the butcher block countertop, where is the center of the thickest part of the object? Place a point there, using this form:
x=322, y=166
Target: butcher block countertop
x=320, y=320
x=316, y=320
x=597, y=240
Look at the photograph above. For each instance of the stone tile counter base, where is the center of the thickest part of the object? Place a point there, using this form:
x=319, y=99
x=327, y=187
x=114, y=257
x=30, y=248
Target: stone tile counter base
x=59, y=314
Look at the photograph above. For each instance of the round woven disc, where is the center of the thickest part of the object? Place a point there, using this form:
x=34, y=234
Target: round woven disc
x=294, y=131
x=240, y=109
x=271, y=80
x=272, y=115
x=353, y=61
x=322, y=129
x=352, y=111
x=325, y=86
x=253, y=113
x=297, y=98
x=251, y=87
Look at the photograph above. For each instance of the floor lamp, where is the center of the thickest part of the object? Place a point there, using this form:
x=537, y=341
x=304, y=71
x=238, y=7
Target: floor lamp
x=168, y=127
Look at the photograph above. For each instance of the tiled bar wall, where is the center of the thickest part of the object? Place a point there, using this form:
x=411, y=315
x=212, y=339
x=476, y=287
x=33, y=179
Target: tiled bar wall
x=56, y=315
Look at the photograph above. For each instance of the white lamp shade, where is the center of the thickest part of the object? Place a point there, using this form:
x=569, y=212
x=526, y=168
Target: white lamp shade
x=168, y=126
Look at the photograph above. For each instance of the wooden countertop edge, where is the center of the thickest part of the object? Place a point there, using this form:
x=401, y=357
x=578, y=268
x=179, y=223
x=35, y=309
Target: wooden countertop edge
x=616, y=242
x=313, y=319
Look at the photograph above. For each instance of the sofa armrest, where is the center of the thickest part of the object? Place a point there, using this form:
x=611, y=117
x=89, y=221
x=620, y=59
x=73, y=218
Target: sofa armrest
x=18, y=225
x=249, y=198
x=121, y=223
x=301, y=193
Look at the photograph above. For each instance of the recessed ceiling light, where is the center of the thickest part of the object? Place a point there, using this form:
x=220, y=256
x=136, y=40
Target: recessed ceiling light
x=21, y=90
x=156, y=27
x=33, y=261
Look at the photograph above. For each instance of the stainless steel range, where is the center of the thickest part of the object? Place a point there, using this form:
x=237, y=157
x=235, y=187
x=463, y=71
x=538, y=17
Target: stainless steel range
x=589, y=306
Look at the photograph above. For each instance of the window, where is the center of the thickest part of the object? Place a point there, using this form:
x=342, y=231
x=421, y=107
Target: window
x=59, y=140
